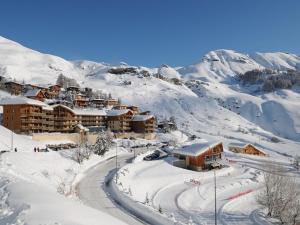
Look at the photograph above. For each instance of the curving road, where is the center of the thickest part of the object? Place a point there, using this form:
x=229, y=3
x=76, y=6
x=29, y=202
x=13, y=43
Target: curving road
x=92, y=188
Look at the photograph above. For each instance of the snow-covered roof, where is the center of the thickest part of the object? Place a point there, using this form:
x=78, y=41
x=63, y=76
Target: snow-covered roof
x=80, y=127
x=243, y=145
x=84, y=112
x=89, y=112
x=196, y=148
x=21, y=101
x=32, y=93
x=142, y=117
x=117, y=112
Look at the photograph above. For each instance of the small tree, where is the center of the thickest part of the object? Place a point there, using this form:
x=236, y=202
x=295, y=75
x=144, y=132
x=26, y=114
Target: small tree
x=147, y=200
x=280, y=196
x=297, y=162
x=79, y=154
x=103, y=143
x=160, y=209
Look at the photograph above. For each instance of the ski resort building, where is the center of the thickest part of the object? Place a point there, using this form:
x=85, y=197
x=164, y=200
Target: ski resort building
x=249, y=149
x=66, y=119
x=24, y=115
x=111, y=102
x=14, y=88
x=200, y=156
x=81, y=100
x=36, y=94
x=118, y=120
x=143, y=124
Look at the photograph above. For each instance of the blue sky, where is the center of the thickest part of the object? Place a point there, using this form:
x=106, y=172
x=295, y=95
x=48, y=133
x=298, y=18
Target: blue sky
x=151, y=32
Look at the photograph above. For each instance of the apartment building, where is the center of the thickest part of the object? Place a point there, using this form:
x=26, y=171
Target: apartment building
x=24, y=115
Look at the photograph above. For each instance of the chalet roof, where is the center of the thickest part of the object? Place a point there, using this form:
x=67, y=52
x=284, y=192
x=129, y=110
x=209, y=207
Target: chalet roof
x=112, y=99
x=84, y=112
x=142, y=117
x=81, y=127
x=117, y=112
x=98, y=99
x=38, y=86
x=21, y=101
x=13, y=82
x=32, y=93
x=240, y=145
x=89, y=112
x=243, y=145
x=195, y=149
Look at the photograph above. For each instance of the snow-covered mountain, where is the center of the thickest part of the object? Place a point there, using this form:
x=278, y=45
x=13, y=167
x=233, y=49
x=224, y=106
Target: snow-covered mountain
x=207, y=102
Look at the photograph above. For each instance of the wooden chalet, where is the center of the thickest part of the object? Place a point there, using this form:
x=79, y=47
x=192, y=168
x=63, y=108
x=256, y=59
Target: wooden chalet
x=111, y=102
x=24, y=115
x=53, y=91
x=249, y=149
x=75, y=89
x=66, y=119
x=200, y=156
x=134, y=109
x=81, y=101
x=143, y=124
x=36, y=94
x=98, y=102
x=118, y=121
x=14, y=88
x=118, y=107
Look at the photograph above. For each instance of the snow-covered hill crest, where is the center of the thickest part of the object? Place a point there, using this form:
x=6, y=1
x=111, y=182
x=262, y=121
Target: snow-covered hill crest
x=216, y=104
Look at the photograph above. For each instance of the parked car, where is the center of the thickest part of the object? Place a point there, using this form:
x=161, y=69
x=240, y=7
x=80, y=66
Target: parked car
x=155, y=155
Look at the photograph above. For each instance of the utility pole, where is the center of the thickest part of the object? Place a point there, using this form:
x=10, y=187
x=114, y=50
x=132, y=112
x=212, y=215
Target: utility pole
x=116, y=162
x=215, y=181
x=12, y=132
x=12, y=141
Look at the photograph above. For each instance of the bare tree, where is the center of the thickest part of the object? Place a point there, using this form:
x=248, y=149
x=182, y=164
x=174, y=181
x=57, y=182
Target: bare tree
x=280, y=196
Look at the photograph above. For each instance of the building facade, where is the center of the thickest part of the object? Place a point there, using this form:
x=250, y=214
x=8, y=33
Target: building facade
x=200, y=156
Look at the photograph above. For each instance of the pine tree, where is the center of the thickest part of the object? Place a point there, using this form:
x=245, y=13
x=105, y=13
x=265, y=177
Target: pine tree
x=103, y=143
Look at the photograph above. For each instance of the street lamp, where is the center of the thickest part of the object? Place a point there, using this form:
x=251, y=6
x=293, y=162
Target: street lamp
x=215, y=182
x=116, y=161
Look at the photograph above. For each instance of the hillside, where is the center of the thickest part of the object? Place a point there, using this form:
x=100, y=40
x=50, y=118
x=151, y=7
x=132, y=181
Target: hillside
x=215, y=104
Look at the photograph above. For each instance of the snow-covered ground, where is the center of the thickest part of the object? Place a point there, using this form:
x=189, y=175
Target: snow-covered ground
x=39, y=187
x=186, y=196
x=209, y=104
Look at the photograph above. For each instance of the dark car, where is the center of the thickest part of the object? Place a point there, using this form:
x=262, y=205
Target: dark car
x=153, y=156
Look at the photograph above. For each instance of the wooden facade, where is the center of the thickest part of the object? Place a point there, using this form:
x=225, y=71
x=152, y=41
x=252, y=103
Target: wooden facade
x=247, y=149
x=206, y=157
x=111, y=102
x=14, y=88
x=143, y=124
x=81, y=101
x=24, y=115
x=67, y=119
x=27, y=118
x=36, y=94
x=119, y=120
x=53, y=91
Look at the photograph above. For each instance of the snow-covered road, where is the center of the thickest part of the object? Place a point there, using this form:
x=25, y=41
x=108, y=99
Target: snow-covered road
x=91, y=190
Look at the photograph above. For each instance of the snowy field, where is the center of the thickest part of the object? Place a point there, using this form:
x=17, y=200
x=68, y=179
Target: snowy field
x=187, y=196
x=38, y=188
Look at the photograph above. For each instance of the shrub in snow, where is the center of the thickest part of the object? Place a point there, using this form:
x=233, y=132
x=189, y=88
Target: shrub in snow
x=280, y=196
x=297, y=162
x=275, y=139
x=103, y=143
x=147, y=200
x=160, y=209
x=129, y=191
x=79, y=154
